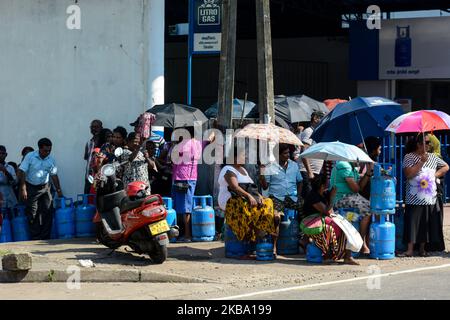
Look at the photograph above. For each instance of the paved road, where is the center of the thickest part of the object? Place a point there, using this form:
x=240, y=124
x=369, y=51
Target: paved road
x=404, y=285
x=424, y=285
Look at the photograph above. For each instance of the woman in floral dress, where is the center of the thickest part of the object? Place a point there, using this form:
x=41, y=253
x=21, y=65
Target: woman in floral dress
x=422, y=211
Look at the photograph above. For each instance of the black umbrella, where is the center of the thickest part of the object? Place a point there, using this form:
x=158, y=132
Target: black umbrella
x=175, y=115
x=297, y=108
x=249, y=111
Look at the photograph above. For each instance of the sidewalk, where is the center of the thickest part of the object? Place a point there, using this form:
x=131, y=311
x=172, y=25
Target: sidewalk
x=196, y=262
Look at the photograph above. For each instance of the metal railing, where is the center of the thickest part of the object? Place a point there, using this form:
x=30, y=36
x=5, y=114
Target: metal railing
x=393, y=151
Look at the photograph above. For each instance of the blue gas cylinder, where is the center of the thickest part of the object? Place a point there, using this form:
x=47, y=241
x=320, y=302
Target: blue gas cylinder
x=203, y=222
x=289, y=214
x=264, y=249
x=382, y=192
x=6, y=233
x=287, y=242
x=84, y=213
x=20, y=228
x=233, y=247
x=382, y=238
x=64, y=216
x=313, y=253
x=171, y=214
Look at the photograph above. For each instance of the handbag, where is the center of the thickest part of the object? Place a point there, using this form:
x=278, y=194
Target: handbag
x=313, y=224
x=250, y=188
x=354, y=240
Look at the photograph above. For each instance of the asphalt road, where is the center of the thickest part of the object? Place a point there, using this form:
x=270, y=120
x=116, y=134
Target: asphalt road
x=424, y=285
x=428, y=284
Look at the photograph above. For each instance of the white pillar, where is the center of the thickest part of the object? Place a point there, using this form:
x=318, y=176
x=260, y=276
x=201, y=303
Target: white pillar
x=155, y=52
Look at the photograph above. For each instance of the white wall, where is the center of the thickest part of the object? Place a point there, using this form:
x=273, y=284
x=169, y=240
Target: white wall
x=54, y=81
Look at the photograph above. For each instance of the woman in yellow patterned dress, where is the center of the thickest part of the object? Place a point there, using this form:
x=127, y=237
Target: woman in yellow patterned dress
x=247, y=213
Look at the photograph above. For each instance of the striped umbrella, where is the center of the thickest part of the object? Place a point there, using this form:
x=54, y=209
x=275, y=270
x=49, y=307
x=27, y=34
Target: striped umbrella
x=268, y=132
x=420, y=122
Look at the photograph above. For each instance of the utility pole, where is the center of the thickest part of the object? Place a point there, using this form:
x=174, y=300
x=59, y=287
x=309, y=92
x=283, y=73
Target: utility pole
x=227, y=64
x=265, y=68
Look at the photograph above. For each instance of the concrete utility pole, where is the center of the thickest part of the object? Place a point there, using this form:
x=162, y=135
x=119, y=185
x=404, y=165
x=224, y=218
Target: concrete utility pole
x=265, y=69
x=227, y=63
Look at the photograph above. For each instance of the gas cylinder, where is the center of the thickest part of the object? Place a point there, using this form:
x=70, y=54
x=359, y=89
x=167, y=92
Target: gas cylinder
x=65, y=220
x=203, y=223
x=382, y=238
x=287, y=242
x=313, y=253
x=233, y=247
x=84, y=213
x=264, y=249
x=171, y=214
x=6, y=233
x=382, y=192
x=20, y=228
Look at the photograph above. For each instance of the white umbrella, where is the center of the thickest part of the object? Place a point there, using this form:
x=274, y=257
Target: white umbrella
x=336, y=151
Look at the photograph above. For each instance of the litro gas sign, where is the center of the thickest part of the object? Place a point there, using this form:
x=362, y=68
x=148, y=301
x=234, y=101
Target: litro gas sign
x=205, y=30
x=209, y=13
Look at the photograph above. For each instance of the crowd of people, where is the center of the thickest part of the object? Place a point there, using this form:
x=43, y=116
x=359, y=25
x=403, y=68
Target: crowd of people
x=311, y=188
x=253, y=205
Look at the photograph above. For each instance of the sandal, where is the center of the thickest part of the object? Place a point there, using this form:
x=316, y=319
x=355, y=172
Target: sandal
x=424, y=254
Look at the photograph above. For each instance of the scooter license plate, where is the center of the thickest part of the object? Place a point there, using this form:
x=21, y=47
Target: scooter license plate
x=159, y=227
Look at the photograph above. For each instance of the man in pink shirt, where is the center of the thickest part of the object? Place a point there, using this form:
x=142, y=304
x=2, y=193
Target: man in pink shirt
x=185, y=157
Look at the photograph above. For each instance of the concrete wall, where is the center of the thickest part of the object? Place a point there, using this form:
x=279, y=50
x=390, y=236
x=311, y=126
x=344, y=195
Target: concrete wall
x=54, y=81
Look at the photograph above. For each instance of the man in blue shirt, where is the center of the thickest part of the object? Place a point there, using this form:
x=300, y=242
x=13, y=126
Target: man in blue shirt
x=34, y=174
x=284, y=182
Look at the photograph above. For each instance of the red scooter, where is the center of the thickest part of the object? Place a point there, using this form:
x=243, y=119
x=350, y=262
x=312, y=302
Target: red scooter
x=130, y=217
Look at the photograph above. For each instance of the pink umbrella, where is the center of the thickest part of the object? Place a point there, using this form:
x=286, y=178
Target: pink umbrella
x=420, y=121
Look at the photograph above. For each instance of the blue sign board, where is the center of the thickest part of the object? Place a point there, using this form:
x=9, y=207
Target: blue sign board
x=205, y=26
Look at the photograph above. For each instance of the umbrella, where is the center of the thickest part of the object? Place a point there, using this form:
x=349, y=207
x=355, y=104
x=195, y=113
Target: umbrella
x=174, y=115
x=269, y=132
x=331, y=103
x=420, y=121
x=351, y=122
x=249, y=110
x=336, y=151
x=297, y=108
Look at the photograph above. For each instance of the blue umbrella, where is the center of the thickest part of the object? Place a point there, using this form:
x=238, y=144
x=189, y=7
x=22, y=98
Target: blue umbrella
x=335, y=151
x=353, y=121
x=249, y=110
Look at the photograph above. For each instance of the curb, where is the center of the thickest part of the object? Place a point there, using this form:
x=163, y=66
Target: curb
x=130, y=275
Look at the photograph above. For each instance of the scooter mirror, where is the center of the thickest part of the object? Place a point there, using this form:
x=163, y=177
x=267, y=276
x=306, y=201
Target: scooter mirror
x=118, y=152
x=91, y=179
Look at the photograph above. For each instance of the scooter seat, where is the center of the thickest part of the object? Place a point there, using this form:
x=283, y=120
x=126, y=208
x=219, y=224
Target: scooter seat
x=128, y=204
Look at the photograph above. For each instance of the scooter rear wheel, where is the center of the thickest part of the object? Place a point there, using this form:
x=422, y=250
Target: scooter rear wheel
x=159, y=254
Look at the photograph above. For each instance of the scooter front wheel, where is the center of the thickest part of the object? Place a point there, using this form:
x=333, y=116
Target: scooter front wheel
x=103, y=238
x=159, y=254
